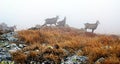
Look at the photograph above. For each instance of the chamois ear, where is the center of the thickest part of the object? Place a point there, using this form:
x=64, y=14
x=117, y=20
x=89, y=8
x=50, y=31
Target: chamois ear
x=57, y=16
x=98, y=22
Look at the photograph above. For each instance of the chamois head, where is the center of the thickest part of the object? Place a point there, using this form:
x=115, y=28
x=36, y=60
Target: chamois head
x=97, y=22
x=57, y=17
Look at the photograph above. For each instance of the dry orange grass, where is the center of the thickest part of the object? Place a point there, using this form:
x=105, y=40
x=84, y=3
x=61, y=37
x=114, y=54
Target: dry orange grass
x=92, y=45
x=112, y=60
x=19, y=57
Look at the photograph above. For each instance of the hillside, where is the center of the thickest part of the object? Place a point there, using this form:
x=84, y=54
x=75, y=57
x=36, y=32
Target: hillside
x=52, y=45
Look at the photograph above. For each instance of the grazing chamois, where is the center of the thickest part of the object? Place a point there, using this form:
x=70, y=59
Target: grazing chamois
x=62, y=23
x=51, y=20
x=91, y=26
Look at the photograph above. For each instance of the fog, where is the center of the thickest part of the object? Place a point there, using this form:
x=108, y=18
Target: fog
x=28, y=13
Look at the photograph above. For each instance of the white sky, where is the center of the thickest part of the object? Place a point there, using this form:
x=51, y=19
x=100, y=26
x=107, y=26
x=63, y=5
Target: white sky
x=27, y=13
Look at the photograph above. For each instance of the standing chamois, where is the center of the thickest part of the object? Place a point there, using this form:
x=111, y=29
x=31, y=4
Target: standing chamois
x=51, y=21
x=91, y=26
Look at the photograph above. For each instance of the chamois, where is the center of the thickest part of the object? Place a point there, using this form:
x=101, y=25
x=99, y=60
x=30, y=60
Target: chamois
x=51, y=20
x=91, y=26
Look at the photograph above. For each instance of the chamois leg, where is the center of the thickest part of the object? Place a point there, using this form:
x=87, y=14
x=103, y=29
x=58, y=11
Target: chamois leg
x=55, y=24
x=92, y=30
x=86, y=29
x=44, y=24
x=50, y=24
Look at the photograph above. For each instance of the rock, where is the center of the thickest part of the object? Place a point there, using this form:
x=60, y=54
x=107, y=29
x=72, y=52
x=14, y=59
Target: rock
x=48, y=62
x=27, y=52
x=37, y=50
x=33, y=62
x=79, y=51
x=82, y=59
x=12, y=50
x=76, y=60
x=51, y=47
x=22, y=45
x=69, y=62
x=12, y=39
x=2, y=50
x=13, y=47
x=4, y=55
x=38, y=63
x=10, y=36
x=67, y=52
x=6, y=43
x=8, y=56
x=8, y=46
x=7, y=62
x=100, y=60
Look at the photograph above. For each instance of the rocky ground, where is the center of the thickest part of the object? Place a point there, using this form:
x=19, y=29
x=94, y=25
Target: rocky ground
x=7, y=46
x=58, y=46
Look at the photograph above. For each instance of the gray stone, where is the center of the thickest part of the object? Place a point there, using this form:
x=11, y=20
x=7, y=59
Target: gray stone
x=67, y=52
x=27, y=52
x=12, y=39
x=10, y=36
x=76, y=60
x=22, y=45
x=13, y=47
x=48, y=62
x=4, y=55
x=100, y=60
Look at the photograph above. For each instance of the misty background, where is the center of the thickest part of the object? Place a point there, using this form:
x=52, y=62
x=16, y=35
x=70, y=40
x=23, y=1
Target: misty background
x=28, y=13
